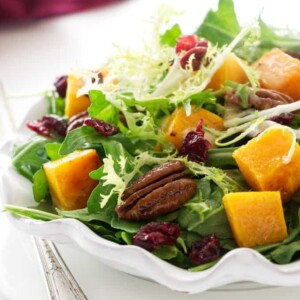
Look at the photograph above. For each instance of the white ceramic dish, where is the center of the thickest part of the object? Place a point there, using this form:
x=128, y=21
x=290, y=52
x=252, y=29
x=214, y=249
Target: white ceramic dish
x=237, y=266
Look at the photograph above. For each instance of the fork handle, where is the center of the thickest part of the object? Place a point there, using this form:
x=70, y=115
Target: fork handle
x=61, y=283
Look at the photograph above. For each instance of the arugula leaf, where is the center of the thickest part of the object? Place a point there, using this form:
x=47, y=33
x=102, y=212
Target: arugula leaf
x=83, y=215
x=102, y=109
x=281, y=38
x=31, y=213
x=171, y=35
x=203, y=266
x=56, y=105
x=29, y=157
x=221, y=26
x=157, y=107
x=270, y=37
x=124, y=236
x=221, y=157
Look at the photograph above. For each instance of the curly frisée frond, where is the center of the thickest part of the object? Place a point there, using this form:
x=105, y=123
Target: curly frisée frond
x=138, y=71
x=119, y=173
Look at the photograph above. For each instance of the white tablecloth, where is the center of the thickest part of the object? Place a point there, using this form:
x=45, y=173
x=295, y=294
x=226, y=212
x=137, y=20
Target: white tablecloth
x=31, y=55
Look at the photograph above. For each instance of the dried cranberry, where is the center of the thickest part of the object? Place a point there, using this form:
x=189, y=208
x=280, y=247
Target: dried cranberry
x=283, y=119
x=202, y=43
x=48, y=124
x=155, y=234
x=186, y=42
x=102, y=127
x=205, y=250
x=61, y=86
x=198, y=54
x=195, y=146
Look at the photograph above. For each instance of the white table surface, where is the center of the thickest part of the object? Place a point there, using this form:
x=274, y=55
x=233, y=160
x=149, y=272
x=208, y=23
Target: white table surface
x=31, y=56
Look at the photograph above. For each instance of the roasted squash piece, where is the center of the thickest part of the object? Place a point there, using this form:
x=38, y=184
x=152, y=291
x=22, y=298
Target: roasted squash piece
x=229, y=71
x=68, y=178
x=262, y=163
x=74, y=104
x=179, y=124
x=256, y=218
x=281, y=72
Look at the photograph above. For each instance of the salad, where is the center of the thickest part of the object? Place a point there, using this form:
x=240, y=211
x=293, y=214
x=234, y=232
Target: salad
x=188, y=148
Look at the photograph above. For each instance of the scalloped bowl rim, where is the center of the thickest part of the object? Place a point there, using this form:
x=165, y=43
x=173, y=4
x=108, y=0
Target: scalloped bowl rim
x=238, y=265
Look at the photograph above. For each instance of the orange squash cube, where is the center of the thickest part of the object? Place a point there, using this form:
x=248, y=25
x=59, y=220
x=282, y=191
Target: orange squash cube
x=179, y=124
x=256, y=218
x=279, y=71
x=262, y=164
x=229, y=71
x=68, y=178
x=74, y=104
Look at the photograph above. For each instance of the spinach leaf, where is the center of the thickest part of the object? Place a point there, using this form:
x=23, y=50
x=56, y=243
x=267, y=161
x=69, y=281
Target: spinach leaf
x=40, y=185
x=52, y=151
x=128, y=226
x=107, y=212
x=86, y=137
x=284, y=254
x=166, y=252
x=205, y=214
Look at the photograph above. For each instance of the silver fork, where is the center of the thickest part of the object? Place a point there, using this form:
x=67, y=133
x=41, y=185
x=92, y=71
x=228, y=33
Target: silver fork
x=60, y=281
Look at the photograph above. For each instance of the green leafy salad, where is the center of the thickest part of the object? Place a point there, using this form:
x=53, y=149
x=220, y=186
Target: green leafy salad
x=187, y=148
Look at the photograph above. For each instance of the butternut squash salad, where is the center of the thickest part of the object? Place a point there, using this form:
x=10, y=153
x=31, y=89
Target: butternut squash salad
x=188, y=148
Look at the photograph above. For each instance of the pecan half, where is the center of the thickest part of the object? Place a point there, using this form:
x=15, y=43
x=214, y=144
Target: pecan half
x=161, y=190
x=77, y=120
x=260, y=99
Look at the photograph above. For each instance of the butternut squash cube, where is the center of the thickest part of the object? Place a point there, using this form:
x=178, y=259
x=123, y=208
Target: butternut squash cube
x=68, y=178
x=281, y=72
x=263, y=166
x=256, y=218
x=74, y=104
x=229, y=71
x=179, y=124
